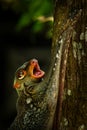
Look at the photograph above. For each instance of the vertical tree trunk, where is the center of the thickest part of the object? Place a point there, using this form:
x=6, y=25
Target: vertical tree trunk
x=71, y=111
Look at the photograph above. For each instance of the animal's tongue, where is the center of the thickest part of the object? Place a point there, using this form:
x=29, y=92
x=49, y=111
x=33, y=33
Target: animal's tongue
x=37, y=72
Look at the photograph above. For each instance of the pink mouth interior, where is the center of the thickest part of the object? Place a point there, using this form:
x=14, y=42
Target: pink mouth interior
x=37, y=72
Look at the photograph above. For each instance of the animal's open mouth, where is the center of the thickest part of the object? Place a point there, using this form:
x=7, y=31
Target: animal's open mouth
x=35, y=70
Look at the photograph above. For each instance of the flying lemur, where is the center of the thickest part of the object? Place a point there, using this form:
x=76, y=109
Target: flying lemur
x=34, y=110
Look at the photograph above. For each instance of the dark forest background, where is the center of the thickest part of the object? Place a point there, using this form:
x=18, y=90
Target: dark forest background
x=21, y=39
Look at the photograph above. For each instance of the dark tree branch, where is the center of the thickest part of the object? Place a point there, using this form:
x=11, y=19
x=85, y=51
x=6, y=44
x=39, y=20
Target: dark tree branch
x=70, y=20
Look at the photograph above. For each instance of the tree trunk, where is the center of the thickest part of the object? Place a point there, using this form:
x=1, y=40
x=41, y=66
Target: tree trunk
x=70, y=17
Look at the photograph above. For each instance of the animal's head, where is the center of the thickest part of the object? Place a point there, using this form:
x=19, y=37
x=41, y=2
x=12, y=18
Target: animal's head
x=28, y=74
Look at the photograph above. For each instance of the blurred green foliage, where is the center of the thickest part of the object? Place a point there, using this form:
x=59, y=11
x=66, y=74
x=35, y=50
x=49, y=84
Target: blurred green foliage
x=33, y=10
x=37, y=13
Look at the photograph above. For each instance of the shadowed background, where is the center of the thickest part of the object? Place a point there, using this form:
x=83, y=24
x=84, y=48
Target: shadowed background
x=17, y=47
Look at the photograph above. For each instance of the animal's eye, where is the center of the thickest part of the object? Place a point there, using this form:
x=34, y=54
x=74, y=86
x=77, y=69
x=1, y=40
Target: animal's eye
x=21, y=74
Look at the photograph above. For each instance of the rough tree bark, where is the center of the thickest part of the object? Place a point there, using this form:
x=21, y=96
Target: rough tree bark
x=71, y=111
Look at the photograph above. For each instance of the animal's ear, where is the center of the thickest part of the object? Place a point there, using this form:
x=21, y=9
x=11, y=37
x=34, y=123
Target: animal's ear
x=16, y=85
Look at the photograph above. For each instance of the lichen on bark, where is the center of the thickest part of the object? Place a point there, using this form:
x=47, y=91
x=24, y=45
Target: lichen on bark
x=74, y=102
